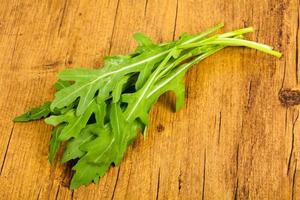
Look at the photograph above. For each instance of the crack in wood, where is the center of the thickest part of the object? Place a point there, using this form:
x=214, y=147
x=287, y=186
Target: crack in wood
x=293, y=181
x=220, y=124
x=297, y=43
x=203, y=176
x=187, y=92
x=158, y=184
x=249, y=95
x=113, y=29
x=72, y=194
x=115, y=186
x=57, y=192
x=39, y=193
x=175, y=23
x=235, y=193
x=215, y=122
x=145, y=8
x=62, y=17
x=286, y=120
x=237, y=158
x=67, y=174
x=242, y=126
x=6, y=150
x=292, y=143
x=180, y=181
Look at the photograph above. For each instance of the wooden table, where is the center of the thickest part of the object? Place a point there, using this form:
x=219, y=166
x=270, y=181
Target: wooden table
x=232, y=140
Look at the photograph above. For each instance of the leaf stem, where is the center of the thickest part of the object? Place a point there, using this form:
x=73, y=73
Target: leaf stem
x=240, y=42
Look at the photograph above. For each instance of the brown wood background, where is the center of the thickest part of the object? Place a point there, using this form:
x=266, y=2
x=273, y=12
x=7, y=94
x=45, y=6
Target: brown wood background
x=232, y=140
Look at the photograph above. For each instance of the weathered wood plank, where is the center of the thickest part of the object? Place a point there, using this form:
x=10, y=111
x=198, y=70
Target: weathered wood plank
x=232, y=140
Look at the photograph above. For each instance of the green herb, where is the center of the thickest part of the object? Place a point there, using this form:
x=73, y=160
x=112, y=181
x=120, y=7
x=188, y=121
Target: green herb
x=35, y=113
x=98, y=112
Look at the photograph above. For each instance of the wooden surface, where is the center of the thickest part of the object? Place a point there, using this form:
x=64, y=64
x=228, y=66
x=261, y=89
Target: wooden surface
x=232, y=140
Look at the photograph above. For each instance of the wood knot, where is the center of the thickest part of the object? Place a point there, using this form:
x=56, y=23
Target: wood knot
x=289, y=97
x=70, y=62
x=160, y=128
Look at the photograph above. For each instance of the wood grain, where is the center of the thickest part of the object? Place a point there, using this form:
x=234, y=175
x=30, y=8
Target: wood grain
x=233, y=139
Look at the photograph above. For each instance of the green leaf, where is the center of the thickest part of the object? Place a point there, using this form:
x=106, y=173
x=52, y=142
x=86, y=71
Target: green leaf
x=86, y=173
x=54, y=143
x=44, y=110
x=144, y=75
x=142, y=39
x=175, y=82
x=123, y=131
x=137, y=103
x=72, y=150
x=108, y=147
x=120, y=85
x=76, y=123
x=112, y=141
x=35, y=113
x=87, y=84
x=144, y=43
x=60, y=84
x=88, y=81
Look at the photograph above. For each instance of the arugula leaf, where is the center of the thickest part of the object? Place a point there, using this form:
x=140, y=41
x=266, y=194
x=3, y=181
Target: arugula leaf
x=104, y=78
x=35, y=113
x=98, y=112
x=144, y=43
x=73, y=150
x=76, y=123
x=60, y=84
x=175, y=82
x=106, y=149
x=87, y=84
x=44, y=110
x=54, y=143
x=86, y=173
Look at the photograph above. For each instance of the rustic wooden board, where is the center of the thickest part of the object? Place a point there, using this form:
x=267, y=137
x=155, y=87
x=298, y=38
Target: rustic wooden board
x=232, y=140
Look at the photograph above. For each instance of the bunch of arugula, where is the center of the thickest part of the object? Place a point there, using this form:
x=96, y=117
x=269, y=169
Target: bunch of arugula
x=98, y=112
